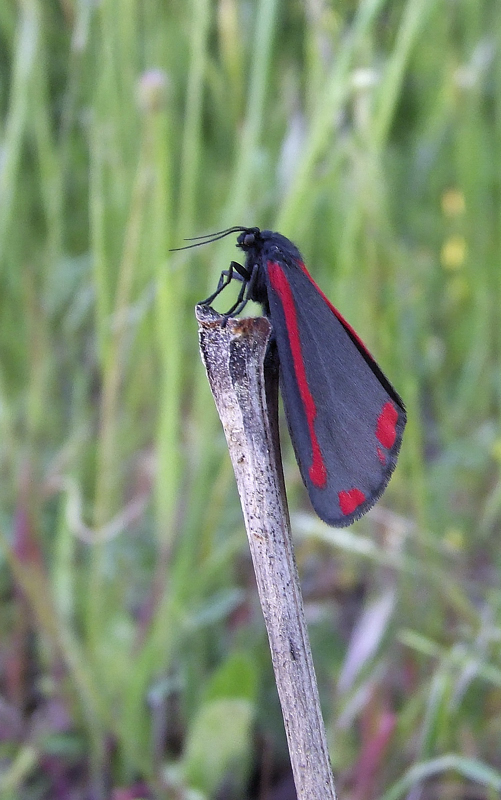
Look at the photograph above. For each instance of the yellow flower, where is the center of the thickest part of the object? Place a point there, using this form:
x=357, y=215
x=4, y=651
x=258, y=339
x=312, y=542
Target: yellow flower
x=453, y=252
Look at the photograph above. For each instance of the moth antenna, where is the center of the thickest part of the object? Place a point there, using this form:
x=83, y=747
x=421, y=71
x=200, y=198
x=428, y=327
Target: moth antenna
x=209, y=237
x=225, y=232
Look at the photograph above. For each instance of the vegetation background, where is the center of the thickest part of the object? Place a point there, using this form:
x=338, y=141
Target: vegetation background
x=133, y=658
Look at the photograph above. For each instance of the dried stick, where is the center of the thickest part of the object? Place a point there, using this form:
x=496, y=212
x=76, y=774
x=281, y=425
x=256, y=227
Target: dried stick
x=243, y=376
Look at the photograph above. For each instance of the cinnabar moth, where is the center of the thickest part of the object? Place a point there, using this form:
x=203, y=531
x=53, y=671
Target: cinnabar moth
x=345, y=419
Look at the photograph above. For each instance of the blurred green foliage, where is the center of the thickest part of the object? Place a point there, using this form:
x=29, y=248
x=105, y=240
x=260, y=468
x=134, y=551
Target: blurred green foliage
x=369, y=133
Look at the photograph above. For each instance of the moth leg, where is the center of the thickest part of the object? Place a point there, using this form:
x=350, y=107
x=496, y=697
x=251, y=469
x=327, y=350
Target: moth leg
x=240, y=302
x=236, y=271
x=245, y=292
x=224, y=280
x=240, y=273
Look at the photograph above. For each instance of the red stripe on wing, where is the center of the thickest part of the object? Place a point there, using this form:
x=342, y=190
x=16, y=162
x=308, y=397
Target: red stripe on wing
x=280, y=284
x=334, y=310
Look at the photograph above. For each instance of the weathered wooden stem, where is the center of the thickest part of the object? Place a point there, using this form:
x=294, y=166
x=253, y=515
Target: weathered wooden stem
x=243, y=376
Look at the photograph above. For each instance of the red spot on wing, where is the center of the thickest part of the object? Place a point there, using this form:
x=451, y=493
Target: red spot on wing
x=349, y=501
x=381, y=456
x=386, y=431
x=279, y=282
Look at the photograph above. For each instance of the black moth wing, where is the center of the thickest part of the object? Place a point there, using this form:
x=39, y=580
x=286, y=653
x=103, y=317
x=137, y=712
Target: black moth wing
x=345, y=419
